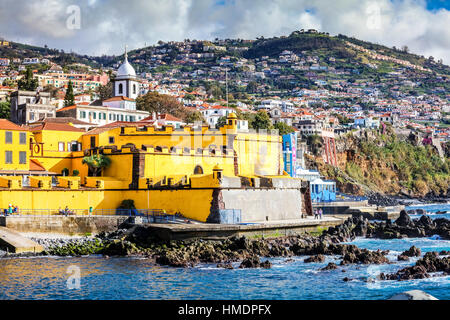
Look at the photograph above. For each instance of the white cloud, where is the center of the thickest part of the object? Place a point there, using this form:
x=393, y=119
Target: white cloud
x=107, y=25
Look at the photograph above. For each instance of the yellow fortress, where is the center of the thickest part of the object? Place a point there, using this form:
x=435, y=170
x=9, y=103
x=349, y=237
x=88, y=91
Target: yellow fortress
x=199, y=173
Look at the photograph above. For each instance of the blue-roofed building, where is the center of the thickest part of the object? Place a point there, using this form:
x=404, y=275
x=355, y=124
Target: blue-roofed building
x=290, y=153
x=321, y=190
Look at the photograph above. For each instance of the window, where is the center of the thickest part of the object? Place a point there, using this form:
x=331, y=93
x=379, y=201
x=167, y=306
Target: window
x=198, y=170
x=120, y=88
x=134, y=89
x=8, y=137
x=22, y=157
x=31, y=116
x=23, y=138
x=111, y=139
x=94, y=115
x=8, y=156
x=60, y=146
x=104, y=116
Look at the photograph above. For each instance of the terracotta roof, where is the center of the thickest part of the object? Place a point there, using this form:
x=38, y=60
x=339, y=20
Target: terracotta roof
x=55, y=127
x=118, y=98
x=65, y=120
x=67, y=108
x=164, y=116
x=35, y=165
x=8, y=125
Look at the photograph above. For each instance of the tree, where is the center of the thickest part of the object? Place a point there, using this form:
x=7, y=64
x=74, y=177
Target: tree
x=69, y=99
x=5, y=108
x=105, y=92
x=96, y=163
x=221, y=122
x=261, y=121
x=29, y=83
x=193, y=117
x=160, y=103
x=51, y=89
x=252, y=87
x=283, y=128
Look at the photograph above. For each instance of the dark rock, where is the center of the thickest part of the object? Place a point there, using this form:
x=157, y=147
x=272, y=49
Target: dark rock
x=266, y=264
x=412, y=252
x=429, y=263
x=404, y=220
x=316, y=258
x=251, y=262
x=330, y=266
x=402, y=258
x=225, y=265
x=426, y=221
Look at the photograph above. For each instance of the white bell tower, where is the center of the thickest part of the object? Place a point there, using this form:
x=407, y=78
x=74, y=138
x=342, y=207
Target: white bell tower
x=125, y=83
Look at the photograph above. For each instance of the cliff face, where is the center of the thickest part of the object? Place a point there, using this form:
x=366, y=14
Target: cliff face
x=386, y=164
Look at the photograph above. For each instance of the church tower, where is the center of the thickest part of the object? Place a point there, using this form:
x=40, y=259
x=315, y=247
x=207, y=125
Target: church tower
x=125, y=83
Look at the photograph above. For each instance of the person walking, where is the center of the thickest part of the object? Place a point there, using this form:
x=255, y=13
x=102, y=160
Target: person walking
x=320, y=213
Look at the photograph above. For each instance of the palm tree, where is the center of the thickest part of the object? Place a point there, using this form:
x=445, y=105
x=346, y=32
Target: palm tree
x=96, y=163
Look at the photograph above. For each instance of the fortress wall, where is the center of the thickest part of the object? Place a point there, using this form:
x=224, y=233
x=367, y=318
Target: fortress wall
x=264, y=204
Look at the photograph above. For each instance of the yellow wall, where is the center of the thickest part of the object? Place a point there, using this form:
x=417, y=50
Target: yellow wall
x=256, y=155
x=15, y=147
x=52, y=159
x=193, y=204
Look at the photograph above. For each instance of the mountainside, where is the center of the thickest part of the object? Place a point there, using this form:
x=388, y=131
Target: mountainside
x=322, y=45
x=387, y=164
x=21, y=51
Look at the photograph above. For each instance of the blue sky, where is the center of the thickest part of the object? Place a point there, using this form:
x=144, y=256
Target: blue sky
x=438, y=4
x=107, y=25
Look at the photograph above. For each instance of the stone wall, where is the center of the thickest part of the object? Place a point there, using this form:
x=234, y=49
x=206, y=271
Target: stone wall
x=70, y=225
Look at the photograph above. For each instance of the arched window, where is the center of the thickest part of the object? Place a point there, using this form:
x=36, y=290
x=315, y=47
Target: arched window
x=120, y=88
x=134, y=88
x=198, y=170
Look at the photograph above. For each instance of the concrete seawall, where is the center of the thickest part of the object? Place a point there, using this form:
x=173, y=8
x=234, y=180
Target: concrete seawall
x=222, y=231
x=67, y=225
x=14, y=242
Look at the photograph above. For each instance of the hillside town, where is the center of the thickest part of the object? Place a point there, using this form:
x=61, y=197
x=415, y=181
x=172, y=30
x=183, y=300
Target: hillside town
x=209, y=77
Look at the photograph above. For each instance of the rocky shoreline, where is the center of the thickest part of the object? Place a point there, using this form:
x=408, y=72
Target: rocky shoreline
x=254, y=253
x=387, y=200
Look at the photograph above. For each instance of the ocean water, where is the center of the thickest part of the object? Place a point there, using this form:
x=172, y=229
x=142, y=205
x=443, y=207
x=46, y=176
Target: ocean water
x=135, y=278
x=431, y=208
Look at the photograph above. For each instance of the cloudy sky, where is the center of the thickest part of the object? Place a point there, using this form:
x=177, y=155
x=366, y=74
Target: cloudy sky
x=98, y=27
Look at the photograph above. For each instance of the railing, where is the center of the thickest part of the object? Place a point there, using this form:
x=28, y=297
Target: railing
x=345, y=197
x=148, y=215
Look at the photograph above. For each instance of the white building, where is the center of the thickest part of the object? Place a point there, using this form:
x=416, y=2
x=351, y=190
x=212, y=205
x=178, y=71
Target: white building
x=126, y=83
x=213, y=113
x=268, y=105
x=121, y=107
